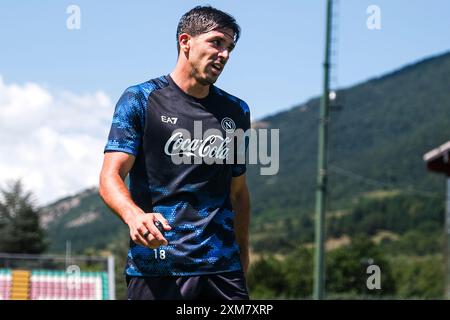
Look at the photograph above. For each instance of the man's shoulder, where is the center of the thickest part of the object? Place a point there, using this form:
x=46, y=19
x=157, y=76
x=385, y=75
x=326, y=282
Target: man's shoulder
x=233, y=100
x=145, y=88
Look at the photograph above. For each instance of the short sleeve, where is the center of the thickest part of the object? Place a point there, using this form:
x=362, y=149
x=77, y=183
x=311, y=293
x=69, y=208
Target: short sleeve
x=127, y=126
x=240, y=168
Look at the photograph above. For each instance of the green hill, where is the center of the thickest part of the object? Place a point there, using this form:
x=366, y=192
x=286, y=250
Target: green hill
x=385, y=126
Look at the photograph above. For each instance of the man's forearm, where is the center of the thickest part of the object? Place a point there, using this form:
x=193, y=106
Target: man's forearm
x=115, y=194
x=241, y=206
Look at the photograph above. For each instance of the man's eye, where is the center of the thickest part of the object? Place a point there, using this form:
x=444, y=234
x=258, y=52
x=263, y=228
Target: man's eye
x=216, y=42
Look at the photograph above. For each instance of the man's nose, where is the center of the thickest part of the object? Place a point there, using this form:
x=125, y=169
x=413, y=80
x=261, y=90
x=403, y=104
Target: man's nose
x=224, y=55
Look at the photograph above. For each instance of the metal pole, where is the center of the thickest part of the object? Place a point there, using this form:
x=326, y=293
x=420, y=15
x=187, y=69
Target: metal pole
x=111, y=278
x=68, y=253
x=321, y=193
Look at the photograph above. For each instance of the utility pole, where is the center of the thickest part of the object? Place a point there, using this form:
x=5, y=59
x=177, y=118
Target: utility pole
x=68, y=253
x=322, y=174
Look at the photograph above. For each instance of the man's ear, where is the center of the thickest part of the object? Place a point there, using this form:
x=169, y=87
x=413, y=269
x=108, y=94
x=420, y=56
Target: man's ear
x=184, y=41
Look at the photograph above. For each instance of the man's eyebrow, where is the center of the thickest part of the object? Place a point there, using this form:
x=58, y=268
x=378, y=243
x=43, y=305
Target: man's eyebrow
x=231, y=36
x=220, y=37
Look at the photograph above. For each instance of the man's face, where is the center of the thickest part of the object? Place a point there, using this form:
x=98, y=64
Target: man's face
x=208, y=54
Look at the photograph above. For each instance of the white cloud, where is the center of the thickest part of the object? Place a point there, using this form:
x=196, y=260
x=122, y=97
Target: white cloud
x=53, y=141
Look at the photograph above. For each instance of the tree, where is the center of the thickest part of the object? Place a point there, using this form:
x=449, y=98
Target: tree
x=420, y=277
x=20, y=231
x=347, y=269
x=265, y=278
x=298, y=270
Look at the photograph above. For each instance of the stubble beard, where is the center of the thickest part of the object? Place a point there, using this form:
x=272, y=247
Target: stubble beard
x=206, y=81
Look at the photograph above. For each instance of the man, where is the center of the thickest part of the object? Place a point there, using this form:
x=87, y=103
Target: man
x=202, y=250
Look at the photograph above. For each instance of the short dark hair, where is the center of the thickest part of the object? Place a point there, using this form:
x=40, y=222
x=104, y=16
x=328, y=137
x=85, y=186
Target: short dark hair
x=203, y=19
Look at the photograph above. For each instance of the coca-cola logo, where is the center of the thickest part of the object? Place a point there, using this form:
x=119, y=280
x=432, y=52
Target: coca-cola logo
x=213, y=146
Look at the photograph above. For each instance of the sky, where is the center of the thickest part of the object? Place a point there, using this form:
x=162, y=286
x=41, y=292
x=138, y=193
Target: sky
x=59, y=85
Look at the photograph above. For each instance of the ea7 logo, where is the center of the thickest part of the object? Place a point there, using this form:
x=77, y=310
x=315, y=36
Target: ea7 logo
x=171, y=120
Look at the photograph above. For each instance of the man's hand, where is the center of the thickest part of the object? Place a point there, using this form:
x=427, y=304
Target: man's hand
x=144, y=232
x=115, y=194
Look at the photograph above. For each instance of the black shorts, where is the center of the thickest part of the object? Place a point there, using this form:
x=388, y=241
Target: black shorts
x=220, y=286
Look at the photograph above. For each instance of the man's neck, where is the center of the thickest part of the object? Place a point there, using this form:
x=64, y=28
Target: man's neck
x=188, y=84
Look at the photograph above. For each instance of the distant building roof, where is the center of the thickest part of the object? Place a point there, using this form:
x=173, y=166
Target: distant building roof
x=438, y=159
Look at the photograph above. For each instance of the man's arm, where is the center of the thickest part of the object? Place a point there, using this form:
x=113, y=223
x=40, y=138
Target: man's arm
x=240, y=200
x=115, y=194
